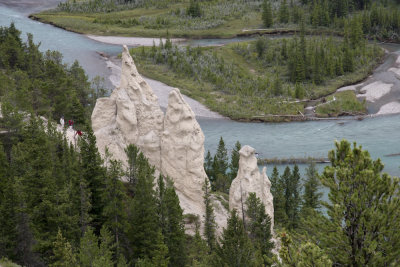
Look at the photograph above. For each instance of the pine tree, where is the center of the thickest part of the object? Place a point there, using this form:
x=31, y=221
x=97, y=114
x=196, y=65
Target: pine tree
x=114, y=211
x=208, y=165
x=236, y=249
x=91, y=254
x=222, y=157
x=259, y=225
x=7, y=209
x=362, y=213
x=143, y=220
x=234, y=165
x=173, y=228
x=293, y=200
x=93, y=174
x=132, y=171
x=308, y=254
x=267, y=16
x=284, y=12
x=278, y=192
x=286, y=188
x=209, y=220
x=311, y=196
x=63, y=254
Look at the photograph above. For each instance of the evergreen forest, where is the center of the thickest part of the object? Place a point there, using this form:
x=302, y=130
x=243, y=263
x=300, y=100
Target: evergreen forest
x=63, y=205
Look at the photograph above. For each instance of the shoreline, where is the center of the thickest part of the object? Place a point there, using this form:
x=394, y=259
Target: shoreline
x=384, y=108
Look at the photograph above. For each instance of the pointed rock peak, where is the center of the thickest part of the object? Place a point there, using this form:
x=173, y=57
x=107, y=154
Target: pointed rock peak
x=247, y=151
x=177, y=106
x=248, y=180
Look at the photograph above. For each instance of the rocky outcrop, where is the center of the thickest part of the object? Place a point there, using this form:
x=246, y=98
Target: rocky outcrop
x=182, y=152
x=173, y=143
x=131, y=115
x=248, y=180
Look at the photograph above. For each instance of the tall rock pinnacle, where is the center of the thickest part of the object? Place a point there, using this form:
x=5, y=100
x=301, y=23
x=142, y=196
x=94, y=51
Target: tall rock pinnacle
x=249, y=180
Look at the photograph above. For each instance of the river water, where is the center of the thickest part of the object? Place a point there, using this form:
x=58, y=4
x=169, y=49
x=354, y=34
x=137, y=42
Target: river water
x=379, y=135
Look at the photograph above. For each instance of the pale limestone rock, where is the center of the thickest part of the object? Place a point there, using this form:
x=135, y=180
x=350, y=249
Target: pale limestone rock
x=249, y=180
x=131, y=115
x=182, y=153
x=173, y=143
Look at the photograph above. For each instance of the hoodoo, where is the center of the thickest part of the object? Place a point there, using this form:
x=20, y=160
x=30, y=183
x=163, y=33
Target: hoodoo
x=249, y=180
x=173, y=143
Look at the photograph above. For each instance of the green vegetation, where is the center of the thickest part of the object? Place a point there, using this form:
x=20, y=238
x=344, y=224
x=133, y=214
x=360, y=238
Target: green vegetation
x=379, y=19
x=186, y=18
x=257, y=79
x=40, y=83
x=62, y=205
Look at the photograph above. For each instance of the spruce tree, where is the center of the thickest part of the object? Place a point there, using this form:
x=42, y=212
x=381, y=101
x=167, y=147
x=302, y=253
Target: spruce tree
x=267, y=16
x=114, y=211
x=94, y=175
x=132, y=171
x=312, y=185
x=284, y=12
x=143, y=218
x=173, y=228
x=63, y=254
x=222, y=157
x=236, y=249
x=208, y=165
x=234, y=165
x=361, y=227
x=278, y=192
x=293, y=200
x=259, y=225
x=209, y=220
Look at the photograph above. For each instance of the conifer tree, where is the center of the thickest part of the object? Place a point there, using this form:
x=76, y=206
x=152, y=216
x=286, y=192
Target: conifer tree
x=234, y=165
x=209, y=220
x=93, y=254
x=208, y=165
x=362, y=213
x=93, y=174
x=63, y=254
x=307, y=254
x=221, y=157
x=267, y=16
x=132, y=171
x=311, y=196
x=259, y=225
x=114, y=211
x=173, y=228
x=293, y=200
x=7, y=209
x=236, y=249
x=143, y=220
x=278, y=192
x=284, y=12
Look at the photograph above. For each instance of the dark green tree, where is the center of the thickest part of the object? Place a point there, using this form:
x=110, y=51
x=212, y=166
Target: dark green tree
x=172, y=224
x=284, y=12
x=293, y=200
x=144, y=224
x=362, y=213
x=278, y=192
x=93, y=174
x=235, y=246
x=234, y=165
x=312, y=185
x=114, y=211
x=209, y=220
x=267, y=16
x=259, y=225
